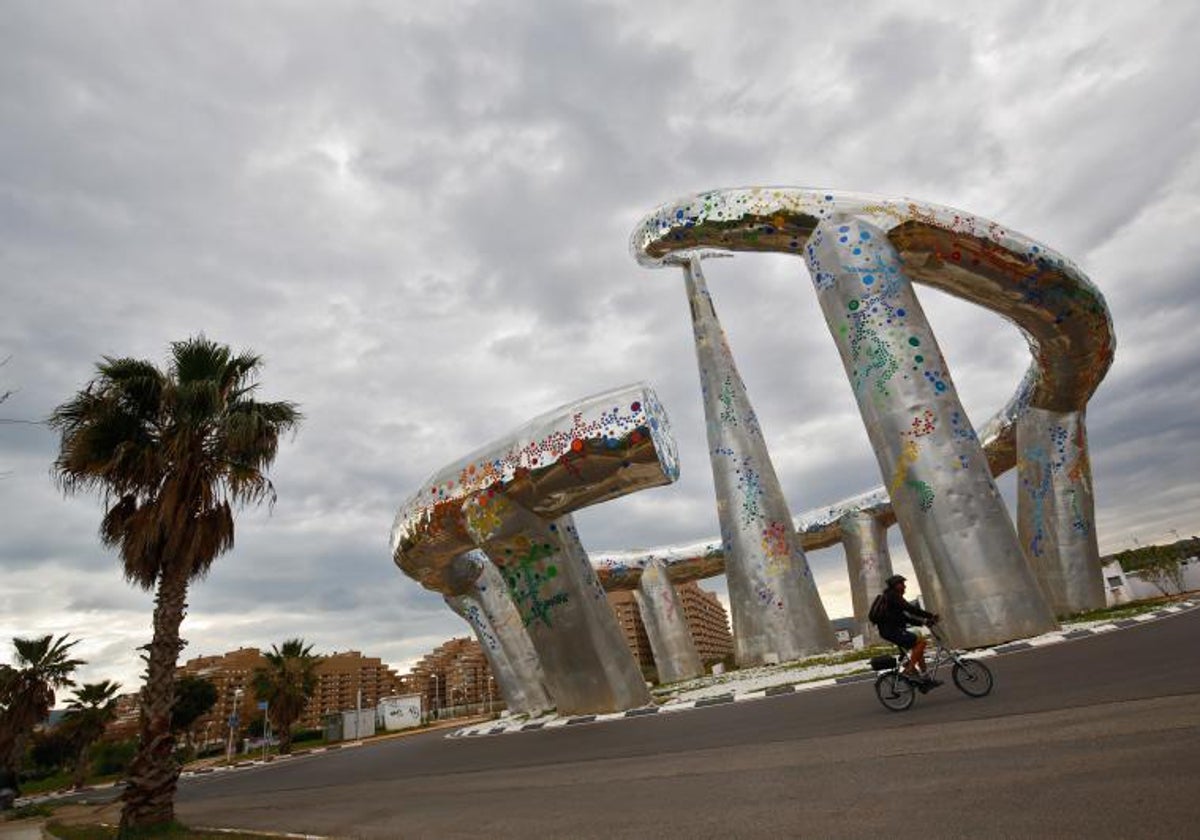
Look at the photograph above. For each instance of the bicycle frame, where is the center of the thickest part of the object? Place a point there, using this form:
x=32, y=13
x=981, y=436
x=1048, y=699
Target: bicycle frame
x=897, y=690
x=942, y=653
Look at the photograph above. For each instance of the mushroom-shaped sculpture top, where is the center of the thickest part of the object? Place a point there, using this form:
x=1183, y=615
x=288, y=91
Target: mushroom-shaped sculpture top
x=1063, y=316
x=579, y=454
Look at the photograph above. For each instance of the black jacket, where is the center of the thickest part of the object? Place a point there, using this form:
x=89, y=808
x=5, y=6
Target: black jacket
x=901, y=613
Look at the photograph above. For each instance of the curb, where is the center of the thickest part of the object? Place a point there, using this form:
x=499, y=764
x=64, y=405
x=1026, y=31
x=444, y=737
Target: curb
x=502, y=728
x=52, y=796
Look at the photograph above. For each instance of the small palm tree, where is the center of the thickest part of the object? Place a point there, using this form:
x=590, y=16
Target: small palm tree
x=90, y=711
x=173, y=452
x=42, y=665
x=287, y=682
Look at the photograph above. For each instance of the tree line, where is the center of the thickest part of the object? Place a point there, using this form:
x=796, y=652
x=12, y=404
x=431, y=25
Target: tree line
x=43, y=666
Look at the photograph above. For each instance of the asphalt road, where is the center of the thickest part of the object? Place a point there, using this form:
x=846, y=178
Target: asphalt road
x=1098, y=737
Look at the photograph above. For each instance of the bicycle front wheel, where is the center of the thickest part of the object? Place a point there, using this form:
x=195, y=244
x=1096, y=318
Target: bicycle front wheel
x=972, y=677
x=894, y=692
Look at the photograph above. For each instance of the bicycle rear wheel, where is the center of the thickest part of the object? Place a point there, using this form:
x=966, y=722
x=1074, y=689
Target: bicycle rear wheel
x=894, y=692
x=972, y=677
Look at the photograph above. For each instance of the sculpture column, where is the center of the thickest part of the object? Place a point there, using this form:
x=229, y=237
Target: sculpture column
x=868, y=563
x=588, y=666
x=1056, y=511
x=776, y=610
x=487, y=607
x=671, y=642
x=946, y=502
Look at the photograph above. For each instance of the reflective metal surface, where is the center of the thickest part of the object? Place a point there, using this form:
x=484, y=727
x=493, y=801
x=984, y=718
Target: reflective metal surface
x=487, y=607
x=776, y=611
x=671, y=642
x=1062, y=315
x=588, y=666
x=579, y=454
x=942, y=492
x=868, y=564
x=1056, y=511
x=512, y=499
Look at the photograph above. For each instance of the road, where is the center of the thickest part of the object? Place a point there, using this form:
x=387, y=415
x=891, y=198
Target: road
x=1098, y=737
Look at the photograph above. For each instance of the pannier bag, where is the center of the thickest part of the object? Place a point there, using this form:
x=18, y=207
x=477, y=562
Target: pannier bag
x=883, y=663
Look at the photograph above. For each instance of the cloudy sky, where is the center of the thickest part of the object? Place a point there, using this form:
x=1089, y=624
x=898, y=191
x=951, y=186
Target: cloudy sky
x=419, y=215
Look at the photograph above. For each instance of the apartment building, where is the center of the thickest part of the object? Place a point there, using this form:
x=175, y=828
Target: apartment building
x=625, y=607
x=453, y=675
x=341, y=676
x=708, y=621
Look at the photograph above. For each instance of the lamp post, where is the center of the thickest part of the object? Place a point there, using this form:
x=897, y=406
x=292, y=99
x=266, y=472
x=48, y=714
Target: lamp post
x=435, y=694
x=233, y=724
x=490, y=682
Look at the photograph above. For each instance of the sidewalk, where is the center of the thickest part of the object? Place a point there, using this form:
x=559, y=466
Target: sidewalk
x=22, y=830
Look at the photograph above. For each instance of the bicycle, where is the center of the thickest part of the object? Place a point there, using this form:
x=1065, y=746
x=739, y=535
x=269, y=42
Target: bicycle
x=897, y=691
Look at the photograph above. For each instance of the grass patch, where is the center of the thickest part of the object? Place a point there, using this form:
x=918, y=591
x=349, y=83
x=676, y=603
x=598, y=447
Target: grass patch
x=1119, y=611
x=62, y=781
x=172, y=831
x=28, y=812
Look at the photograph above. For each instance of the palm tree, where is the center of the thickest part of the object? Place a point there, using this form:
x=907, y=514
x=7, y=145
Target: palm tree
x=287, y=682
x=90, y=711
x=172, y=452
x=42, y=665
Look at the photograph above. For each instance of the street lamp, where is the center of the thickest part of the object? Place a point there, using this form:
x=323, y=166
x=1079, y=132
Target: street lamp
x=233, y=723
x=435, y=694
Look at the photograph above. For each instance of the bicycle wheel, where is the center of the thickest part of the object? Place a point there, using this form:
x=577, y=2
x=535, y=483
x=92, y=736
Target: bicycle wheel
x=894, y=692
x=972, y=677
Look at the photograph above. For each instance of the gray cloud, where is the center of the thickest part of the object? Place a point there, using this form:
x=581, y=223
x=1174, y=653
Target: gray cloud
x=419, y=216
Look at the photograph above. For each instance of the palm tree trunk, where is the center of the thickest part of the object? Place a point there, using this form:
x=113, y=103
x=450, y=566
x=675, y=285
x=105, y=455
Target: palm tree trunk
x=81, y=768
x=153, y=774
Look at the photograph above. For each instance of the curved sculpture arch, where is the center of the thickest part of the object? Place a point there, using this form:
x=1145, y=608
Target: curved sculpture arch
x=1060, y=312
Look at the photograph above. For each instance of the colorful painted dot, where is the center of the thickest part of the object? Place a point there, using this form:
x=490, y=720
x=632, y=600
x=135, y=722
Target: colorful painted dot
x=914, y=341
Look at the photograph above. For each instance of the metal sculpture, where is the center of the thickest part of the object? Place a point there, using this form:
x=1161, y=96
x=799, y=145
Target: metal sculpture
x=1055, y=509
x=485, y=604
x=513, y=500
x=777, y=613
x=868, y=565
x=671, y=642
x=862, y=251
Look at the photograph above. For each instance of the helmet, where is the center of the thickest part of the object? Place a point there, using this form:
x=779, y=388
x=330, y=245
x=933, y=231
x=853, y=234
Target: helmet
x=894, y=580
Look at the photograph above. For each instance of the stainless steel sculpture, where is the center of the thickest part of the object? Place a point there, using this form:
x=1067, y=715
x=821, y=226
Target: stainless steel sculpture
x=929, y=462
x=777, y=613
x=868, y=564
x=944, y=497
x=512, y=499
x=1055, y=509
x=671, y=642
x=862, y=251
x=486, y=605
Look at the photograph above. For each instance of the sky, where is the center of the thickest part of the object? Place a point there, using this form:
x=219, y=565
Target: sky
x=419, y=214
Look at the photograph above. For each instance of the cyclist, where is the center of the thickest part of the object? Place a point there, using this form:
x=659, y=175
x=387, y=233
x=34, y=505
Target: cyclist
x=897, y=615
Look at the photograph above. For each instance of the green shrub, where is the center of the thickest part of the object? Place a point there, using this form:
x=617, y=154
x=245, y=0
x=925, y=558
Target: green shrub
x=111, y=757
x=302, y=735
